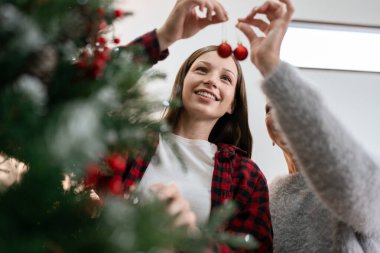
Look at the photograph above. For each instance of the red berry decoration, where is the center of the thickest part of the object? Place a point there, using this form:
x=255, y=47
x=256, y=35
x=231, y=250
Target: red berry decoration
x=118, y=13
x=116, y=40
x=224, y=50
x=101, y=40
x=117, y=163
x=240, y=52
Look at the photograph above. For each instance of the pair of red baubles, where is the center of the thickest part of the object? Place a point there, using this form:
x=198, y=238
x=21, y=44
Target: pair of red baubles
x=225, y=50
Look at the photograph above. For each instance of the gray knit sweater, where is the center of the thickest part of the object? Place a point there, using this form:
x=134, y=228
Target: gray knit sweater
x=333, y=204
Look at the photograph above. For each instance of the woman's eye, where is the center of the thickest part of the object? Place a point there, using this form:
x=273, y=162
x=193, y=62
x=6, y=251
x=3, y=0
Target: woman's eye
x=201, y=69
x=267, y=109
x=227, y=78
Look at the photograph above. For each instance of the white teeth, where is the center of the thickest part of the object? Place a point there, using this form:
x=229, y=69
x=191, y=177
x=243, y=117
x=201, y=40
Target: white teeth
x=206, y=94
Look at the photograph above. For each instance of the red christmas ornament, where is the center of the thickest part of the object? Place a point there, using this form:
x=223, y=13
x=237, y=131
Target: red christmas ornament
x=103, y=54
x=117, y=163
x=118, y=13
x=97, y=68
x=82, y=64
x=224, y=50
x=99, y=62
x=115, y=185
x=83, y=60
x=240, y=52
x=116, y=40
x=93, y=175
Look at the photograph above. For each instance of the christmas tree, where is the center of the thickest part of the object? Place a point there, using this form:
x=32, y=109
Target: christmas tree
x=71, y=103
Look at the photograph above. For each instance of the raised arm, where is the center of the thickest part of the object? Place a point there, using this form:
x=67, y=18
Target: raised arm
x=183, y=22
x=336, y=167
x=341, y=172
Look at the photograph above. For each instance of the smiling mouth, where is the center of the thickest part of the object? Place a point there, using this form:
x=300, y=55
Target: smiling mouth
x=207, y=95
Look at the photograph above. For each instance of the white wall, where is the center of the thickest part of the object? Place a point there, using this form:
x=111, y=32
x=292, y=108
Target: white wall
x=354, y=97
x=360, y=12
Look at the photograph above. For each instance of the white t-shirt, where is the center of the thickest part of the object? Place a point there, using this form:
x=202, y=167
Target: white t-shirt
x=193, y=181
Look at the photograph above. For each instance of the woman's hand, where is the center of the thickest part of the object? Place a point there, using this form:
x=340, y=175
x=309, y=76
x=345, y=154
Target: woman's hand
x=265, y=51
x=183, y=21
x=176, y=205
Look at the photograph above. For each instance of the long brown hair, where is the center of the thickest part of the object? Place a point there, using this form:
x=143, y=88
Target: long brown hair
x=230, y=128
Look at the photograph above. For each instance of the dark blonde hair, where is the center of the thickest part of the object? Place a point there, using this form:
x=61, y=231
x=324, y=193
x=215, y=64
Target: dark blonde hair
x=230, y=128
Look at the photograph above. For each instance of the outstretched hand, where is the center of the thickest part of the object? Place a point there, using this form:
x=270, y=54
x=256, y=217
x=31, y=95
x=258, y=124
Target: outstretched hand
x=183, y=21
x=265, y=51
x=177, y=206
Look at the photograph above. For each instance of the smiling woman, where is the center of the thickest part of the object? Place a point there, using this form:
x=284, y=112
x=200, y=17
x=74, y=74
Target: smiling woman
x=220, y=78
x=211, y=133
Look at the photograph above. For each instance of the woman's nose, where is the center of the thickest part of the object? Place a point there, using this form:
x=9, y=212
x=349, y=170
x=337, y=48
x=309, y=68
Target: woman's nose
x=211, y=80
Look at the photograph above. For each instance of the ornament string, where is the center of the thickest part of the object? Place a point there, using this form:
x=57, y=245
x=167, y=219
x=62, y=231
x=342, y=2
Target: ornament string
x=225, y=50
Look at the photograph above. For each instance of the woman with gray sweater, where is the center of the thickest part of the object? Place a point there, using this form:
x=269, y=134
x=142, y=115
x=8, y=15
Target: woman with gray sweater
x=330, y=201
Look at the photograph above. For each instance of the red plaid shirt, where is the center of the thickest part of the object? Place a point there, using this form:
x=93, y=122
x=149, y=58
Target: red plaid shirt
x=235, y=177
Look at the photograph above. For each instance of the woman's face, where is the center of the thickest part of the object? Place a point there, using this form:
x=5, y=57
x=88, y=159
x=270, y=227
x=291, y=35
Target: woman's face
x=273, y=131
x=209, y=87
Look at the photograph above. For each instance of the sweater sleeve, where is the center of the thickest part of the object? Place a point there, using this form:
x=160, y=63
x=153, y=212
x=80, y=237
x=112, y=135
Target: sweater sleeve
x=338, y=169
x=147, y=49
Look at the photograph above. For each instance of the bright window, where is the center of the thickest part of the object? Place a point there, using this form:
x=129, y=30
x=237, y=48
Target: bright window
x=325, y=46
